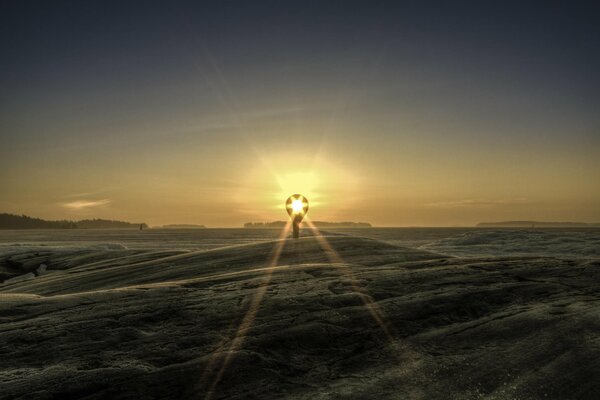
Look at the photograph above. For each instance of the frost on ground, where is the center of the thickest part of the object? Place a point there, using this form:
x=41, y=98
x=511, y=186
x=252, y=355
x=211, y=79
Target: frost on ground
x=360, y=319
x=520, y=242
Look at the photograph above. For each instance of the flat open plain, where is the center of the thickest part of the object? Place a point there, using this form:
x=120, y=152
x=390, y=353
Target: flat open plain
x=324, y=317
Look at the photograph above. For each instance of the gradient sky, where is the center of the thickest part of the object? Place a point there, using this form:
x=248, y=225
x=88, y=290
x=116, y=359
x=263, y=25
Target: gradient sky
x=436, y=114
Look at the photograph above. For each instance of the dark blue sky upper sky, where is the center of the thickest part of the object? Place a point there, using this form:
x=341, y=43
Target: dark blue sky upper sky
x=363, y=78
x=543, y=38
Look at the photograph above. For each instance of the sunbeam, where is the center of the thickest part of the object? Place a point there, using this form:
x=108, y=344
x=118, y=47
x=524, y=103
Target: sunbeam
x=247, y=322
x=336, y=260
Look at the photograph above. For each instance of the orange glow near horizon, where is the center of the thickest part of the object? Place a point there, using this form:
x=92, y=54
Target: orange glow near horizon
x=279, y=175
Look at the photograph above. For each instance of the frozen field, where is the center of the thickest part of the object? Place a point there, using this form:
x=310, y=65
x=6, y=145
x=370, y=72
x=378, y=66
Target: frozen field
x=351, y=314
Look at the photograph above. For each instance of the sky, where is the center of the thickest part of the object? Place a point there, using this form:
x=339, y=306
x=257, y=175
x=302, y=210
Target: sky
x=398, y=114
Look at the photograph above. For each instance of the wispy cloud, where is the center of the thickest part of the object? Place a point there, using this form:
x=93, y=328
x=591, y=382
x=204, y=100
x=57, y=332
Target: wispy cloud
x=96, y=193
x=477, y=203
x=85, y=204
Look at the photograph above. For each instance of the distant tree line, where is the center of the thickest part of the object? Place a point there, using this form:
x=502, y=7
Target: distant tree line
x=11, y=221
x=106, y=223
x=183, y=226
x=274, y=224
x=318, y=224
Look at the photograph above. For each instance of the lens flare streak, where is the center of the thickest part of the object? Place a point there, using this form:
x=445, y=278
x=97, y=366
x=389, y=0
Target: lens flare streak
x=368, y=301
x=248, y=320
x=220, y=363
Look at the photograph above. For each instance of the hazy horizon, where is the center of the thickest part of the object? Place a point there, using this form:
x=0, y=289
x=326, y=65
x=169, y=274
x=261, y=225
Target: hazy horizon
x=396, y=115
x=541, y=224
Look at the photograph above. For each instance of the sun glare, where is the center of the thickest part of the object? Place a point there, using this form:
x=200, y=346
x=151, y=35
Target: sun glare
x=297, y=205
x=298, y=182
x=280, y=173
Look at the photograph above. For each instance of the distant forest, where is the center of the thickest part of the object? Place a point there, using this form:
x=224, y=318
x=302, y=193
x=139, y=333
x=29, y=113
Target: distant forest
x=182, y=226
x=318, y=224
x=11, y=221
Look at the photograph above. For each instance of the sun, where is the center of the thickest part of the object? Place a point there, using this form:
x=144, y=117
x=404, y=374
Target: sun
x=297, y=205
x=328, y=186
